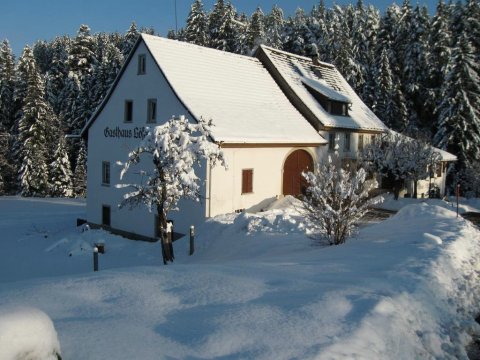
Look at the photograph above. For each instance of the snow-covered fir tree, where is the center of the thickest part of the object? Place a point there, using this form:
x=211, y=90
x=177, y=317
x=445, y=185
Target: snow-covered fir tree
x=81, y=60
x=196, y=29
x=57, y=74
x=336, y=198
x=130, y=38
x=7, y=85
x=459, y=112
x=80, y=173
x=256, y=29
x=439, y=43
x=274, y=28
x=60, y=171
x=82, y=53
x=33, y=127
x=215, y=22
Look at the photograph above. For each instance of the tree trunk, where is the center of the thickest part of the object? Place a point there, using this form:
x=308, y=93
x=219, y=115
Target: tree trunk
x=397, y=186
x=167, y=251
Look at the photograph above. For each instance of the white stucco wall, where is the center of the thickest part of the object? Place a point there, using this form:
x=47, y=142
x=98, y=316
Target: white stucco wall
x=138, y=88
x=267, y=164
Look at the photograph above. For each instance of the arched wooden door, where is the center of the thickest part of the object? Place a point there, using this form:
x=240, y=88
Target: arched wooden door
x=297, y=162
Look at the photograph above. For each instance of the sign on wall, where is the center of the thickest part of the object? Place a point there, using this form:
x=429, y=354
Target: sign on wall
x=119, y=133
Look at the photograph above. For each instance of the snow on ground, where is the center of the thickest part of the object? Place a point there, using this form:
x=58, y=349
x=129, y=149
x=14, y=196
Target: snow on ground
x=256, y=287
x=465, y=205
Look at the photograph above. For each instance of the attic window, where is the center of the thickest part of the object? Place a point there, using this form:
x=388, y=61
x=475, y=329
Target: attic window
x=331, y=100
x=142, y=61
x=338, y=108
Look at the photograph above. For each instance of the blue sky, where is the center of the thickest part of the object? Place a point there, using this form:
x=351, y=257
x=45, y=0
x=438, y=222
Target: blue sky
x=24, y=22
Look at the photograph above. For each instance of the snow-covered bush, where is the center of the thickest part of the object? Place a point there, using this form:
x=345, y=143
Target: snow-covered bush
x=336, y=199
x=28, y=334
x=401, y=158
x=174, y=148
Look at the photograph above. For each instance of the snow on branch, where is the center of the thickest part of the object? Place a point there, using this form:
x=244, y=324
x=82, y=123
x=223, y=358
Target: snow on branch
x=336, y=198
x=174, y=148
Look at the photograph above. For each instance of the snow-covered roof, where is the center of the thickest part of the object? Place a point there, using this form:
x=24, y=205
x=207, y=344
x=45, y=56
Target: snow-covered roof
x=445, y=155
x=236, y=92
x=300, y=72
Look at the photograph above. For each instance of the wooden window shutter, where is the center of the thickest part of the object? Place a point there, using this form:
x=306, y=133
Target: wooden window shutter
x=247, y=181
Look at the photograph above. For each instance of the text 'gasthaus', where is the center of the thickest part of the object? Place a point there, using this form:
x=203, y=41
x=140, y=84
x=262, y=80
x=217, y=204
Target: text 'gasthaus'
x=136, y=133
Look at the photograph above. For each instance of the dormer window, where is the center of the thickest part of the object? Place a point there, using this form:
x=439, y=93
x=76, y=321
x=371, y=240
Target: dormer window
x=338, y=108
x=331, y=100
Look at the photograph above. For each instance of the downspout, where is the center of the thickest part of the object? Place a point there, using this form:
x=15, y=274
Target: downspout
x=209, y=189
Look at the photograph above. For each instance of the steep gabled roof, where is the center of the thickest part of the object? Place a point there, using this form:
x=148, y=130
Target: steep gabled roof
x=298, y=73
x=236, y=92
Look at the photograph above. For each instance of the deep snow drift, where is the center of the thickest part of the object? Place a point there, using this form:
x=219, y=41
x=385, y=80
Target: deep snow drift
x=27, y=334
x=257, y=287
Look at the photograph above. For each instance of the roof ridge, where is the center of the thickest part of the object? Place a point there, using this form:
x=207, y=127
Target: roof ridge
x=283, y=52
x=187, y=44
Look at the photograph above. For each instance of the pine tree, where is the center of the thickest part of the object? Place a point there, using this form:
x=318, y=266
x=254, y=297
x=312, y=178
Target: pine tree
x=5, y=167
x=297, y=34
x=197, y=25
x=459, y=112
x=60, y=172
x=215, y=21
x=42, y=53
x=33, y=127
x=383, y=105
x=228, y=32
x=7, y=86
x=57, y=74
x=82, y=56
x=130, y=39
x=103, y=76
x=256, y=29
x=439, y=43
x=274, y=28
x=80, y=173
x=342, y=49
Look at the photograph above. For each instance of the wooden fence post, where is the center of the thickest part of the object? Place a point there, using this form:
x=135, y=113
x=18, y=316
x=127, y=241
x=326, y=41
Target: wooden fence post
x=95, y=259
x=192, y=240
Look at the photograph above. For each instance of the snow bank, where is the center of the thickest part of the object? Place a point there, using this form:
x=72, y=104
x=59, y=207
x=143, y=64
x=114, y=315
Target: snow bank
x=465, y=205
x=257, y=287
x=27, y=334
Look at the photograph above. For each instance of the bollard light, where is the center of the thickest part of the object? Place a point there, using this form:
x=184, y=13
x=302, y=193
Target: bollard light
x=95, y=259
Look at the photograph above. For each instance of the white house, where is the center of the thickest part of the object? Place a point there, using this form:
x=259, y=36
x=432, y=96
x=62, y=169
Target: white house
x=329, y=103
x=275, y=115
x=266, y=141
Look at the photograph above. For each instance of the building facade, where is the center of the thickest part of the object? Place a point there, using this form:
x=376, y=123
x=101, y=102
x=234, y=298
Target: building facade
x=275, y=115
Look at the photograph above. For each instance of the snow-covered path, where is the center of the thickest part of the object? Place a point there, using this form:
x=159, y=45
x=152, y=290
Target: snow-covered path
x=258, y=288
